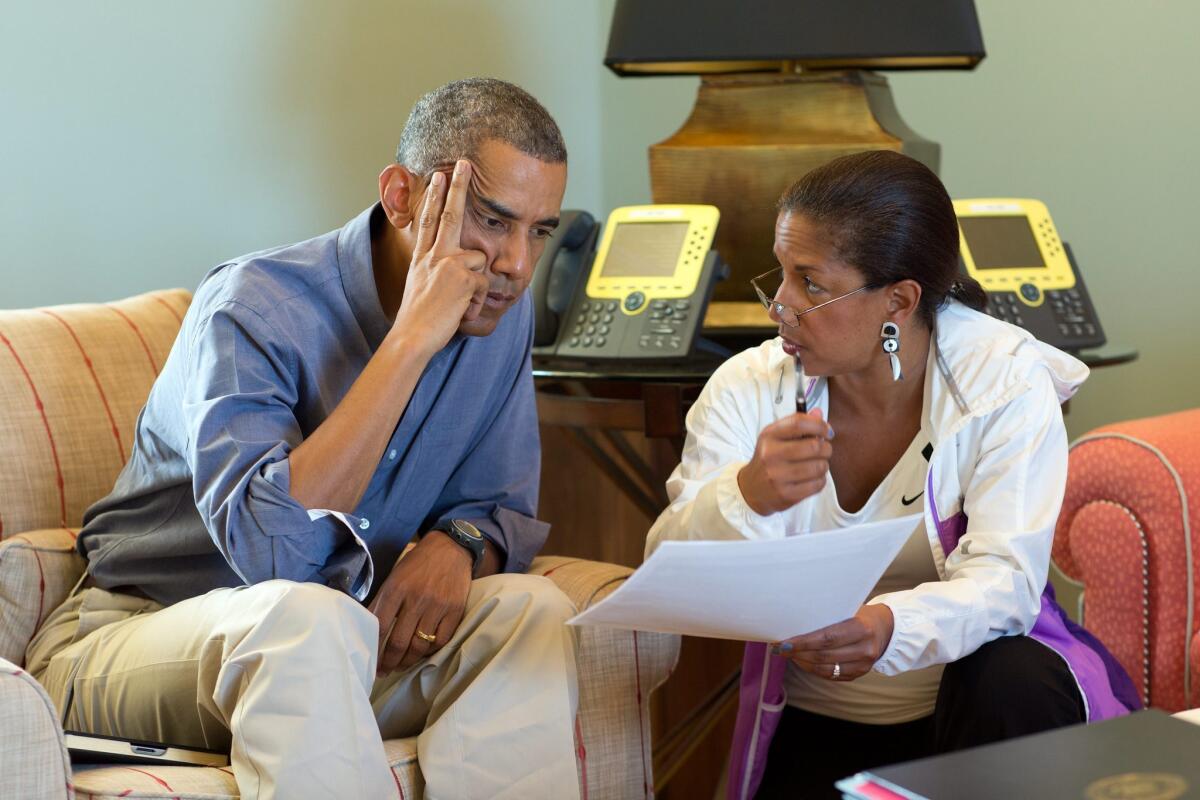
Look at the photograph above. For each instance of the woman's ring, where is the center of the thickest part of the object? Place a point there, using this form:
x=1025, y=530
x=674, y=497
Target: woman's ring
x=429, y=637
x=837, y=671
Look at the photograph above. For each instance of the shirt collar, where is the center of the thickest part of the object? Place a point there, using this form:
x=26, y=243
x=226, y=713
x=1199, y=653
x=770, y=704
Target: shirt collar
x=358, y=277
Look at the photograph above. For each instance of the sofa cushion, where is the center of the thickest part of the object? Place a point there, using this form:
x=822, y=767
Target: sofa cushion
x=38, y=569
x=107, y=782
x=72, y=381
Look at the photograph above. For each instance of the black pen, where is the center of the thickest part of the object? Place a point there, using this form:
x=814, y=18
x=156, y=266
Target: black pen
x=801, y=400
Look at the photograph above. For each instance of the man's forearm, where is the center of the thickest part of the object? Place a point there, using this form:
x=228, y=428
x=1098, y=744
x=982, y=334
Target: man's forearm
x=333, y=466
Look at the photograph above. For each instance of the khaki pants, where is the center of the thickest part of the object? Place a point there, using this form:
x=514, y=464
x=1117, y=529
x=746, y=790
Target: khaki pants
x=282, y=675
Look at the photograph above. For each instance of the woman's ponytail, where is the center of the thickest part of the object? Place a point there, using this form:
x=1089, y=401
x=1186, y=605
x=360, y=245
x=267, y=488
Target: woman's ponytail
x=967, y=291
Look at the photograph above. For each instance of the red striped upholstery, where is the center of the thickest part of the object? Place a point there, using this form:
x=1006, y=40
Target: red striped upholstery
x=72, y=380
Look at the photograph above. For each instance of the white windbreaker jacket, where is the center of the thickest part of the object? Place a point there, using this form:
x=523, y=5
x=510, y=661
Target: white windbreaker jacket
x=999, y=458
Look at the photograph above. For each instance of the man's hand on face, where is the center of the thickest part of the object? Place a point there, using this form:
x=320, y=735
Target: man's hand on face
x=446, y=284
x=426, y=591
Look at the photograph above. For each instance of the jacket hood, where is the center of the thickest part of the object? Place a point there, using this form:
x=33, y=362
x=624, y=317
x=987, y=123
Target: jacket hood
x=987, y=358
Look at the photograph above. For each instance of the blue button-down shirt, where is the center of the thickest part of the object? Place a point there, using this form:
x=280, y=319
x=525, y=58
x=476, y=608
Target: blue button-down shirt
x=269, y=346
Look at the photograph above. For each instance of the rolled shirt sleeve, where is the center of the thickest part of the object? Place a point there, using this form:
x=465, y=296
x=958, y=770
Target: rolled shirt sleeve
x=241, y=430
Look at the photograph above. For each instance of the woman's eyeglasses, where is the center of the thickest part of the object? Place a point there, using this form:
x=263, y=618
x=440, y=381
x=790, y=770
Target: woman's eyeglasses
x=788, y=315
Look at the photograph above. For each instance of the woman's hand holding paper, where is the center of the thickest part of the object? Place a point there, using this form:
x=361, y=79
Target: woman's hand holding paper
x=845, y=650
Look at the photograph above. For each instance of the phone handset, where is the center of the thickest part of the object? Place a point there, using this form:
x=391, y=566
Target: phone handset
x=557, y=275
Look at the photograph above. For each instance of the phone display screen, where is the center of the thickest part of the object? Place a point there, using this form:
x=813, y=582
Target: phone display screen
x=1001, y=242
x=644, y=250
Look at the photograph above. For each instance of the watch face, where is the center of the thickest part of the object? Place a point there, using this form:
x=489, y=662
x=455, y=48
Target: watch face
x=467, y=529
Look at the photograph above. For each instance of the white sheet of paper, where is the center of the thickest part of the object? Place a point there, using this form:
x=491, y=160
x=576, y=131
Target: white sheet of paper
x=759, y=591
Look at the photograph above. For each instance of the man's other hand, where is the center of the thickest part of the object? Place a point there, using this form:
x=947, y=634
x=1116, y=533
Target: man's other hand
x=426, y=591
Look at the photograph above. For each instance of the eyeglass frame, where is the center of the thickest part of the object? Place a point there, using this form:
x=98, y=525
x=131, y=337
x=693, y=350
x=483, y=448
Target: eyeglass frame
x=779, y=308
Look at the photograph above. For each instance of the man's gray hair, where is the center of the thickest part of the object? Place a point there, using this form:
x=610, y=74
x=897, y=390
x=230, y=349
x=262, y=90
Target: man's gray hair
x=454, y=121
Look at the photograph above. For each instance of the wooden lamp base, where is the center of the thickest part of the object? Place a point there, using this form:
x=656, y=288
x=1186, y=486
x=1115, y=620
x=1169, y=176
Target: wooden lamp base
x=748, y=138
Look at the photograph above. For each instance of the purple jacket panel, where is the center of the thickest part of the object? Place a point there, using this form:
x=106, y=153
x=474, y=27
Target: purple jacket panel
x=760, y=705
x=1106, y=687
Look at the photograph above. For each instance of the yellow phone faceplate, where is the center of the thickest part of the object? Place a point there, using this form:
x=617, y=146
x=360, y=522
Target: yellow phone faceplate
x=1057, y=272
x=696, y=242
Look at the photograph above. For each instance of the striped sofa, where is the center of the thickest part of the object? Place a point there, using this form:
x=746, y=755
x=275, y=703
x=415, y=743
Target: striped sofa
x=72, y=379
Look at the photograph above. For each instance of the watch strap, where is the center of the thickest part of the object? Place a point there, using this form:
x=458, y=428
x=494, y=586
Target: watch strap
x=472, y=544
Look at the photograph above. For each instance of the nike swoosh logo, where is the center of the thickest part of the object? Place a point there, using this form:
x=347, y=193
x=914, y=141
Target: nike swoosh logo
x=908, y=501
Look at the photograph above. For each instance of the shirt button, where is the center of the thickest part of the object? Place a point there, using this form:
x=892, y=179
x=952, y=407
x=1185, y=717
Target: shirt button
x=391, y=455
x=364, y=523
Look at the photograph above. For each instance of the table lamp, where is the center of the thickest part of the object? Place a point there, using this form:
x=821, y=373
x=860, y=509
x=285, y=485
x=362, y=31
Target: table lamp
x=785, y=86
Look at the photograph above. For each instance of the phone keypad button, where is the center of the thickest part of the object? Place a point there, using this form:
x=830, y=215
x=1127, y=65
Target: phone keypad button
x=603, y=329
x=585, y=306
x=587, y=341
x=682, y=305
x=634, y=301
x=574, y=341
x=600, y=340
x=612, y=306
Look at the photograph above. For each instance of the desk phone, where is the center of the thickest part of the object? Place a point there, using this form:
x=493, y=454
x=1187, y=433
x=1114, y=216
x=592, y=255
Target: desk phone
x=1013, y=249
x=643, y=295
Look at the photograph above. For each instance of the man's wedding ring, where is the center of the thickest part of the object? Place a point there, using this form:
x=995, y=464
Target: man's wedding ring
x=429, y=637
x=837, y=671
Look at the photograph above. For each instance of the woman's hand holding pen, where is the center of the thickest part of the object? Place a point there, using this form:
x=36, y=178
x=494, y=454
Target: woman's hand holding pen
x=790, y=462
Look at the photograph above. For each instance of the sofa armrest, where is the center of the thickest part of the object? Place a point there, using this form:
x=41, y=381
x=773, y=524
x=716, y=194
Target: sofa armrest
x=38, y=569
x=617, y=672
x=33, y=757
x=1125, y=532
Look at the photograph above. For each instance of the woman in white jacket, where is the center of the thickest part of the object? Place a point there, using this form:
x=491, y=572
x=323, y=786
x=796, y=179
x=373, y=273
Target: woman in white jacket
x=961, y=642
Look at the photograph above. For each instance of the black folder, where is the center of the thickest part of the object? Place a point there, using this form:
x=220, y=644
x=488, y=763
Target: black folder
x=1147, y=754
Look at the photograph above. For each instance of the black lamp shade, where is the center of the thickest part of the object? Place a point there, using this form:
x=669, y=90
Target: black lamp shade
x=684, y=37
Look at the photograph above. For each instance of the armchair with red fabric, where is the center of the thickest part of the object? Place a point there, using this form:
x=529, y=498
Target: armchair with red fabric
x=1125, y=533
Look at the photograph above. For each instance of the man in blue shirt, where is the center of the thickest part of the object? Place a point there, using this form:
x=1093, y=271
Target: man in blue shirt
x=327, y=408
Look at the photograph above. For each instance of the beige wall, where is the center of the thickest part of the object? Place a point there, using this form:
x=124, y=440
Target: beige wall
x=143, y=141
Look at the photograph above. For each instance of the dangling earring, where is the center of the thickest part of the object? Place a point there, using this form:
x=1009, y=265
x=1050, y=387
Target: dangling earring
x=890, y=333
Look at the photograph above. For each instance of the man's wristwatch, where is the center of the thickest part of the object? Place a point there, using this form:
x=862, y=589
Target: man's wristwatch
x=466, y=535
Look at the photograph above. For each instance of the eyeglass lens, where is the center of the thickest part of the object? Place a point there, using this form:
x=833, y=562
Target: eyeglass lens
x=769, y=286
